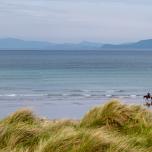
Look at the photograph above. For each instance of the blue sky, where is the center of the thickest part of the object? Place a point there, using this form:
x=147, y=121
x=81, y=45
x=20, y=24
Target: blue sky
x=105, y=21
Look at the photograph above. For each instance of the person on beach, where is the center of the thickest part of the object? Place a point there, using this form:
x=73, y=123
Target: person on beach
x=148, y=95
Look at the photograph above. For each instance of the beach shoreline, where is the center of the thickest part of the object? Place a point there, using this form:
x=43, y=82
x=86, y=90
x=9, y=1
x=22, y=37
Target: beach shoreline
x=69, y=109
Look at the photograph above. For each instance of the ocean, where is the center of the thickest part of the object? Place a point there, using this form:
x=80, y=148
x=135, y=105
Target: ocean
x=66, y=84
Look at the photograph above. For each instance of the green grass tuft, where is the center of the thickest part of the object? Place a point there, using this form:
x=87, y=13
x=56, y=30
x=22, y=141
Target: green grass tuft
x=117, y=115
x=21, y=116
x=70, y=140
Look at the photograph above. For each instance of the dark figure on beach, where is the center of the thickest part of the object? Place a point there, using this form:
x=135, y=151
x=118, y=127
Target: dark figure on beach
x=148, y=96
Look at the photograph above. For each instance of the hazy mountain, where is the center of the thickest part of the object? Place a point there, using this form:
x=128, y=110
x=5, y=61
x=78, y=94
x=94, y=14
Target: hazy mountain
x=17, y=44
x=143, y=44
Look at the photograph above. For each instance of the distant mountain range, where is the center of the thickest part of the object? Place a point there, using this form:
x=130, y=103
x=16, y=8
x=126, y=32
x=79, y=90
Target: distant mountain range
x=17, y=44
x=143, y=44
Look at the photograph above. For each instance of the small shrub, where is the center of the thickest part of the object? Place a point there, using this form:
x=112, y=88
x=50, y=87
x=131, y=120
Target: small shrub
x=21, y=116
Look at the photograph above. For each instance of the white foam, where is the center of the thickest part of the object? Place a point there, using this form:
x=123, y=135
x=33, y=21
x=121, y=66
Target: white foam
x=108, y=95
x=22, y=95
x=11, y=95
x=87, y=95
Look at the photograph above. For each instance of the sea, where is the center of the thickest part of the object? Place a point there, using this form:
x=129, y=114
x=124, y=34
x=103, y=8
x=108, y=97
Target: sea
x=66, y=84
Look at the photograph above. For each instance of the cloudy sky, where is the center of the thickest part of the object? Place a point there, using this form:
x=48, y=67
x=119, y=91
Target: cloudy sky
x=113, y=21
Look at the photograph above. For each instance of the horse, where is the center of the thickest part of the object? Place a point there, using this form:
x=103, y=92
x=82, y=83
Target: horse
x=147, y=97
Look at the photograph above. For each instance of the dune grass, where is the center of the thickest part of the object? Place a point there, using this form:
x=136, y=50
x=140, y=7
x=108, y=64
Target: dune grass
x=113, y=127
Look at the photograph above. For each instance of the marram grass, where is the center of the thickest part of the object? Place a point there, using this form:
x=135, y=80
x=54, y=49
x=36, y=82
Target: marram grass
x=113, y=127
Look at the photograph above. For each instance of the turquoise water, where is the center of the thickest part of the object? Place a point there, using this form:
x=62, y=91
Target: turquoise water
x=60, y=84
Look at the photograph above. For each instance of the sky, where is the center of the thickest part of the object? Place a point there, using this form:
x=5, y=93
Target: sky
x=105, y=21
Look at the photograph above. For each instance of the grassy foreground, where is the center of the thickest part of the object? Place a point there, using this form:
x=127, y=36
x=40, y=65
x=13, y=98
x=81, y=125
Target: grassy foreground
x=113, y=127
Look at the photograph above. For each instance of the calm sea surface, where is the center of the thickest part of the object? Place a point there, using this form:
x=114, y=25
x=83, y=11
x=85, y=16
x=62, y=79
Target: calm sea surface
x=59, y=84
